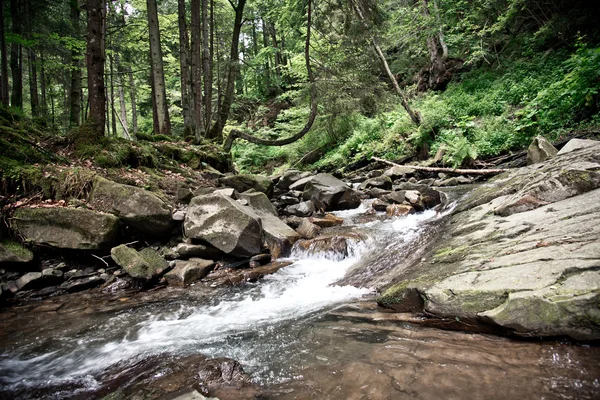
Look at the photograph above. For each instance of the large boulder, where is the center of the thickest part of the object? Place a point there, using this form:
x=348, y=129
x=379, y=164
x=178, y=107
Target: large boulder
x=243, y=182
x=188, y=250
x=576, y=144
x=186, y=272
x=258, y=201
x=225, y=224
x=14, y=252
x=399, y=172
x=146, y=264
x=303, y=209
x=137, y=207
x=289, y=177
x=381, y=182
x=329, y=193
x=66, y=228
x=540, y=150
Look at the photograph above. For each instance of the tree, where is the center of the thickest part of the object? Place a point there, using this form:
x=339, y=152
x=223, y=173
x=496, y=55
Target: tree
x=3, y=60
x=162, y=123
x=75, y=90
x=313, y=100
x=95, y=58
x=16, y=54
x=185, y=69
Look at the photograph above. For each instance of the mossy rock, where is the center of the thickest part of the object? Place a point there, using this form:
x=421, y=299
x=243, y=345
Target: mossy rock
x=11, y=252
x=146, y=264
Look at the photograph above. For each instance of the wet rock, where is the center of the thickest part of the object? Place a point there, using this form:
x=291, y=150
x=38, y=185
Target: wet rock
x=139, y=208
x=77, y=285
x=330, y=193
x=14, y=252
x=399, y=210
x=227, y=276
x=29, y=281
x=327, y=221
x=187, y=250
x=289, y=200
x=186, y=272
x=225, y=224
x=377, y=193
x=396, y=197
x=330, y=246
x=576, y=144
x=374, y=173
x=278, y=236
x=381, y=182
x=430, y=197
x=261, y=259
x=303, y=209
x=379, y=205
x=540, y=150
x=243, y=182
x=454, y=181
x=414, y=198
x=146, y=264
x=66, y=228
x=289, y=177
x=308, y=230
x=179, y=215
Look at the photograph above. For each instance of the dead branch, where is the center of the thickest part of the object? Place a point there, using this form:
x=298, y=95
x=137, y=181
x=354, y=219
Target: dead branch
x=448, y=170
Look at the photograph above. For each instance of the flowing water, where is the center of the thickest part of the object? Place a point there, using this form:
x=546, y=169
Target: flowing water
x=299, y=333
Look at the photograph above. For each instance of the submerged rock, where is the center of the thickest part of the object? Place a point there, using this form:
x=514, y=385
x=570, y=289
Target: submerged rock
x=66, y=228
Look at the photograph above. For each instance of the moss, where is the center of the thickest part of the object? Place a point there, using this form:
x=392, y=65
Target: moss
x=17, y=249
x=450, y=254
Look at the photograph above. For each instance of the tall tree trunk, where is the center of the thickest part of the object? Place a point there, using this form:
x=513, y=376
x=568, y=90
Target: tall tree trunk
x=437, y=69
x=206, y=68
x=112, y=94
x=184, y=45
x=132, y=90
x=95, y=57
x=16, y=56
x=32, y=62
x=232, y=68
x=313, y=102
x=43, y=85
x=197, y=106
x=122, y=103
x=75, y=95
x=163, y=123
x=4, y=98
x=414, y=115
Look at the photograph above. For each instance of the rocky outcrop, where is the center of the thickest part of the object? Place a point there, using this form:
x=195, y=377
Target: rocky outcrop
x=576, y=144
x=137, y=207
x=532, y=267
x=225, y=224
x=146, y=264
x=244, y=182
x=186, y=272
x=66, y=228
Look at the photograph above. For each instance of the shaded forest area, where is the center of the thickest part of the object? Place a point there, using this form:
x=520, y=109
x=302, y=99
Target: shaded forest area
x=336, y=82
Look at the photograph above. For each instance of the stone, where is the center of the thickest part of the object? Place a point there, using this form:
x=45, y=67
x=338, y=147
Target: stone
x=225, y=224
x=577, y=144
x=179, y=215
x=289, y=177
x=303, y=209
x=243, y=182
x=327, y=221
x=229, y=276
x=78, y=285
x=66, y=228
x=14, y=252
x=300, y=184
x=377, y=193
x=332, y=246
x=413, y=197
x=146, y=264
x=228, y=192
x=396, y=197
x=187, y=250
x=137, y=207
x=540, y=150
x=375, y=173
x=399, y=172
x=289, y=200
x=399, y=210
x=31, y=280
x=183, y=195
x=379, y=205
x=258, y=201
x=430, y=197
x=329, y=193
x=381, y=182
x=186, y=272
x=308, y=230
x=278, y=236
x=454, y=181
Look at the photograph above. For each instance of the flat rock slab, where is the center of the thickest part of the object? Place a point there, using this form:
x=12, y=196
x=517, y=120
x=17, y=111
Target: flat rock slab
x=186, y=272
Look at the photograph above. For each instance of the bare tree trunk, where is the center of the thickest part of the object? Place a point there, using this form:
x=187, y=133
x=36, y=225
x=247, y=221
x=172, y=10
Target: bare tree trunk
x=198, y=119
x=43, y=85
x=158, y=77
x=95, y=57
x=16, y=56
x=122, y=103
x=313, y=100
x=206, y=69
x=217, y=129
x=112, y=93
x=184, y=45
x=33, y=84
x=75, y=106
x=132, y=90
x=4, y=97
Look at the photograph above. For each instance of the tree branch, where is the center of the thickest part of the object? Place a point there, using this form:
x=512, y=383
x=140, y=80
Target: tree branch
x=449, y=170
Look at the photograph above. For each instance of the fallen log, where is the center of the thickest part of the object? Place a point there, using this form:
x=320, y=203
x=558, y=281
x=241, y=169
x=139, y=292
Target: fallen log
x=448, y=170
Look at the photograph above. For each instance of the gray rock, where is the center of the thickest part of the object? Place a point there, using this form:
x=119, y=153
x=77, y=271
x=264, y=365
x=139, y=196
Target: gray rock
x=31, y=280
x=186, y=272
x=381, y=182
x=289, y=200
x=429, y=196
x=379, y=205
x=258, y=201
x=303, y=209
x=289, y=177
x=308, y=230
x=66, y=228
x=329, y=193
x=414, y=198
x=399, y=172
x=179, y=215
x=146, y=264
x=137, y=207
x=576, y=144
x=396, y=197
x=187, y=250
x=243, y=182
x=14, y=252
x=375, y=173
x=540, y=150
x=225, y=224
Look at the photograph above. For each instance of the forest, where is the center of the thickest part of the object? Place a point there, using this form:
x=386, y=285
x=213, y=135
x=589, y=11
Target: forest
x=306, y=83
